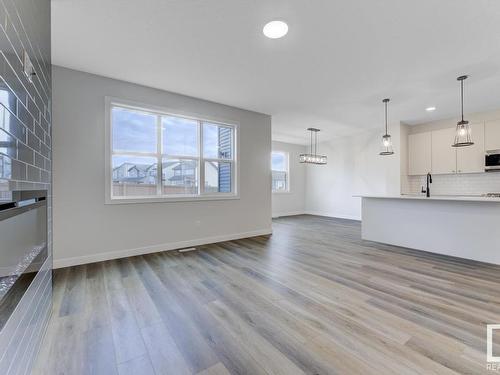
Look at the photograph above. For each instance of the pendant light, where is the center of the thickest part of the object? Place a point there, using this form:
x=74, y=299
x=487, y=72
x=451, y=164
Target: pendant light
x=386, y=139
x=313, y=157
x=462, y=135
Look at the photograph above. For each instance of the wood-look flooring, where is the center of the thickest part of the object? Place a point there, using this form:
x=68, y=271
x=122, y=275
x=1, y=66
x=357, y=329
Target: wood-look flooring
x=312, y=298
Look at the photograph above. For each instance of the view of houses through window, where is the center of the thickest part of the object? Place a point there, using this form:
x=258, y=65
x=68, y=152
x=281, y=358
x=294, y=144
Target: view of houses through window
x=183, y=151
x=280, y=172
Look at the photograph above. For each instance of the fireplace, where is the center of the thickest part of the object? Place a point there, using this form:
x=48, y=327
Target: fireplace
x=23, y=246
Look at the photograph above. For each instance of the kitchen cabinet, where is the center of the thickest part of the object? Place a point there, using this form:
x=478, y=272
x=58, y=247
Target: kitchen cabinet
x=492, y=135
x=444, y=157
x=470, y=159
x=419, y=153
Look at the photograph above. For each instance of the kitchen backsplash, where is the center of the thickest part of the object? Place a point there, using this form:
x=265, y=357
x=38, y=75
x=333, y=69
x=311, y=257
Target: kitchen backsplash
x=455, y=184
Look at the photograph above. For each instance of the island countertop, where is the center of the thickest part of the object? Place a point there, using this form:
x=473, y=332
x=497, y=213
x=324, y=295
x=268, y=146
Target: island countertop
x=460, y=198
x=459, y=226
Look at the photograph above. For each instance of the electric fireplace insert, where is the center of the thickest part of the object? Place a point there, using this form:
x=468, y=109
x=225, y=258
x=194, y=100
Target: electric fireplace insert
x=23, y=245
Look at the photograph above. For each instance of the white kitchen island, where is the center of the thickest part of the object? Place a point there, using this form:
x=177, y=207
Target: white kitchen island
x=465, y=227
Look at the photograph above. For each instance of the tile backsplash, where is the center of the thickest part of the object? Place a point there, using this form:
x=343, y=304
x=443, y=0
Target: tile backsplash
x=455, y=184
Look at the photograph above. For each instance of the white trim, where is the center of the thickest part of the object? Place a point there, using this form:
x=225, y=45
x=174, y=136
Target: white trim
x=162, y=111
x=333, y=215
x=172, y=199
x=99, y=257
x=288, y=213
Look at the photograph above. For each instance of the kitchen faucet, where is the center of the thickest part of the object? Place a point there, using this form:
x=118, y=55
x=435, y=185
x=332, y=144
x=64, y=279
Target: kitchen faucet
x=428, y=190
x=429, y=181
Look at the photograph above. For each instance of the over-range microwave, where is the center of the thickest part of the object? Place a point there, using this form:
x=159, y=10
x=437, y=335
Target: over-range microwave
x=492, y=161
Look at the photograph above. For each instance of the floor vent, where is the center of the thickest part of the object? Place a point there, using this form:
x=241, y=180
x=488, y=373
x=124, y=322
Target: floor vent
x=187, y=249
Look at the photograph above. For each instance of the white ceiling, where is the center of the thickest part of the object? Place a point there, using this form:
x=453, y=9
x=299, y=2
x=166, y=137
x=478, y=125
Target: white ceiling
x=338, y=61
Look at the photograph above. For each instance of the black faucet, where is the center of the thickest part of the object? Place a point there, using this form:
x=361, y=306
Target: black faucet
x=429, y=181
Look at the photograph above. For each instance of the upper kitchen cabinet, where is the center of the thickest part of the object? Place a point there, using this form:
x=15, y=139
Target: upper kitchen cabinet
x=492, y=135
x=444, y=157
x=419, y=153
x=470, y=159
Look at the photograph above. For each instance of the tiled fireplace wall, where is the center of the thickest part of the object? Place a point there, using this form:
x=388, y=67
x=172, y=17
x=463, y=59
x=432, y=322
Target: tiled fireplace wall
x=456, y=184
x=25, y=158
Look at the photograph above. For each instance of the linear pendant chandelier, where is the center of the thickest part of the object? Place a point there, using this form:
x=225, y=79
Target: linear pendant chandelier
x=313, y=157
x=462, y=136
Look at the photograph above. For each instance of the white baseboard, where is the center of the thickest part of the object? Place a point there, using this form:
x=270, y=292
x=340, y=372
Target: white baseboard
x=289, y=213
x=334, y=215
x=99, y=257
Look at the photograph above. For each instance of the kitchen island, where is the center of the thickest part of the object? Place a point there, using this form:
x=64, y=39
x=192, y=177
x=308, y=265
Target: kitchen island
x=461, y=226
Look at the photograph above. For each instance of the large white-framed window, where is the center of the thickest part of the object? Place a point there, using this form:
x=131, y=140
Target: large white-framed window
x=280, y=172
x=158, y=155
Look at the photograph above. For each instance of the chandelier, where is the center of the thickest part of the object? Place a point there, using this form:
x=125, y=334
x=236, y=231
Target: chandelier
x=312, y=157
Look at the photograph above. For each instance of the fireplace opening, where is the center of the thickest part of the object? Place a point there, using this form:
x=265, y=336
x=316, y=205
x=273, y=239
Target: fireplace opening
x=23, y=246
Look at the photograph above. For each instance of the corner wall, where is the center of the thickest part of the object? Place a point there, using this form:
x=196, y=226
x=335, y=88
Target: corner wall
x=354, y=168
x=87, y=230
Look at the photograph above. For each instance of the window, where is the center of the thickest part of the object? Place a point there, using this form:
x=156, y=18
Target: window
x=280, y=172
x=156, y=155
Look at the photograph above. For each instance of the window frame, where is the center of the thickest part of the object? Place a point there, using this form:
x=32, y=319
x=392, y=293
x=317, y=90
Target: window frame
x=111, y=102
x=287, y=160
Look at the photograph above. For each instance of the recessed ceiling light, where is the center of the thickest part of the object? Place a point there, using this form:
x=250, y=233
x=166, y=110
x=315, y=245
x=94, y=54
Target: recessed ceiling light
x=275, y=29
x=430, y=109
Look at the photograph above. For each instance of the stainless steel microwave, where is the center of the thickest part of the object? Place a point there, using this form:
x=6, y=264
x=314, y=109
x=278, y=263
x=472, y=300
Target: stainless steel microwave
x=492, y=161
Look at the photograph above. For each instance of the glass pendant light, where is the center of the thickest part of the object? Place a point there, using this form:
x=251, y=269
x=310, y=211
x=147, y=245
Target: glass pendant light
x=386, y=139
x=463, y=134
x=313, y=157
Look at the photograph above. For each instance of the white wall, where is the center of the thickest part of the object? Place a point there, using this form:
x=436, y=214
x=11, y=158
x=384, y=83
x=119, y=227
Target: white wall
x=354, y=167
x=293, y=202
x=86, y=230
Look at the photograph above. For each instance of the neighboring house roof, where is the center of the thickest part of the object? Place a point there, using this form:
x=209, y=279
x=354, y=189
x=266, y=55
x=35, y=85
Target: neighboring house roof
x=186, y=164
x=142, y=167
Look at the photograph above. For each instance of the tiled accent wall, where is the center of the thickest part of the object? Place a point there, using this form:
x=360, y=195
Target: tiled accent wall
x=456, y=184
x=25, y=158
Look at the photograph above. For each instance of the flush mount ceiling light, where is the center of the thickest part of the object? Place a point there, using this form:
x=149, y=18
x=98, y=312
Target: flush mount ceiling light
x=462, y=135
x=430, y=109
x=386, y=139
x=275, y=29
x=313, y=157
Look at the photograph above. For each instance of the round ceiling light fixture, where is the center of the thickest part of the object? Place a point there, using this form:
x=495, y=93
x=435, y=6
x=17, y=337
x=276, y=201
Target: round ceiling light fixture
x=275, y=29
x=430, y=109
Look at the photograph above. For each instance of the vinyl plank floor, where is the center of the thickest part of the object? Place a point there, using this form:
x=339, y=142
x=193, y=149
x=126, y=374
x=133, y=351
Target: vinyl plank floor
x=313, y=298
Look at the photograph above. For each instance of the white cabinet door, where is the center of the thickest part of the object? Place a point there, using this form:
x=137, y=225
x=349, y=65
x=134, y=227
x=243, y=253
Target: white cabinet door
x=444, y=157
x=470, y=159
x=492, y=135
x=419, y=153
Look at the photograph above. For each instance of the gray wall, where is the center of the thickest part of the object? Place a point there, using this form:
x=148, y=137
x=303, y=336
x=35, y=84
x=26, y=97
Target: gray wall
x=25, y=153
x=88, y=230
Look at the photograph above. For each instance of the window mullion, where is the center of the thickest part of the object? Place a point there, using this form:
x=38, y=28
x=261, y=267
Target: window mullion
x=159, y=166
x=201, y=166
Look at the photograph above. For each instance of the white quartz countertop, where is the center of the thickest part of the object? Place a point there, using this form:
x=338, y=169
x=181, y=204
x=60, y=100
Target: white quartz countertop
x=462, y=198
